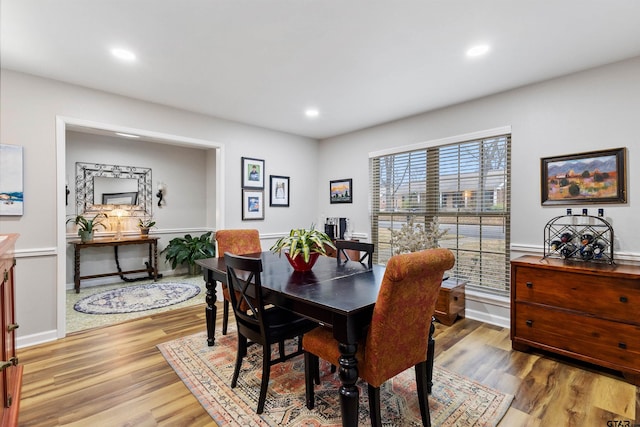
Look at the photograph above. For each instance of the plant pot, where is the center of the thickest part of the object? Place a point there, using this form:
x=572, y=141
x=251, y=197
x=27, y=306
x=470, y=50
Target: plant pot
x=144, y=232
x=194, y=269
x=298, y=263
x=85, y=236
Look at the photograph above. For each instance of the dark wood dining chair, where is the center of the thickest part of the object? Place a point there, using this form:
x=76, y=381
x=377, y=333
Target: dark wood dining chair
x=343, y=254
x=237, y=242
x=258, y=324
x=397, y=338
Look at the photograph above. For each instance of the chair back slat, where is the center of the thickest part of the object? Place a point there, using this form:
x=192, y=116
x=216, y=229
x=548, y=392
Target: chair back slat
x=365, y=249
x=243, y=276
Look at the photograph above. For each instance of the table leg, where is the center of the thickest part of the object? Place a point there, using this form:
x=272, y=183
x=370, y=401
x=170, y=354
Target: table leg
x=155, y=260
x=349, y=393
x=431, y=349
x=76, y=271
x=210, y=310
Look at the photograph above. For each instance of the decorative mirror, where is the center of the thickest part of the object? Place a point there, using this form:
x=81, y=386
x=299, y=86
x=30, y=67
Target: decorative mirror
x=101, y=187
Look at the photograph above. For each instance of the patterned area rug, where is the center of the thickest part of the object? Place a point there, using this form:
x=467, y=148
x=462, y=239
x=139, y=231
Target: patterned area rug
x=136, y=298
x=207, y=371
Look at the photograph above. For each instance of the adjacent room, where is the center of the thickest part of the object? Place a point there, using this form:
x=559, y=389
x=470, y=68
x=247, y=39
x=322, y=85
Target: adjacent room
x=319, y=213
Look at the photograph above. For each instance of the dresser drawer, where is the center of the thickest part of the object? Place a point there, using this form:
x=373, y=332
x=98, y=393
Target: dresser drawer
x=597, y=339
x=611, y=298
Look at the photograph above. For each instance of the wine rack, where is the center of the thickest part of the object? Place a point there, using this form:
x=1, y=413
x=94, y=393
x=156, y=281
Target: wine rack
x=580, y=238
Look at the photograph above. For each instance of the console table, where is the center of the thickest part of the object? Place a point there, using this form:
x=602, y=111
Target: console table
x=152, y=264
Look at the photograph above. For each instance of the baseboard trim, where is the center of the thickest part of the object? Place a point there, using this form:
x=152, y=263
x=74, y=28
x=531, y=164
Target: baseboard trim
x=35, y=339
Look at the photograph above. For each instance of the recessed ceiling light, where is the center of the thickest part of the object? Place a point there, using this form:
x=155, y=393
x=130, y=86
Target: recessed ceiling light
x=127, y=135
x=478, y=50
x=124, y=54
x=312, y=112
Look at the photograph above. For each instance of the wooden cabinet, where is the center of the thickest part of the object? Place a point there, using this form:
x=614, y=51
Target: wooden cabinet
x=582, y=310
x=450, y=302
x=11, y=378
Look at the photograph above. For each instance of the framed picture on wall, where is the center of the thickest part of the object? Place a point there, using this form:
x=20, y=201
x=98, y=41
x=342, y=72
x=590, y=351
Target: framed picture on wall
x=252, y=173
x=279, y=190
x=592, y=177
x=11, y=180
x=341, y=191
x=252, y=204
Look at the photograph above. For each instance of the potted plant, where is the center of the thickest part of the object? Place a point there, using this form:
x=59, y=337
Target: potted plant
x=145, y=224
x=302, y=247
x=87, y=226
x=188, y=249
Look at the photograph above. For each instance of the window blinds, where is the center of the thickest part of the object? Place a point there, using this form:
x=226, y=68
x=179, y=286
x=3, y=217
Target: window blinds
x=465, y=187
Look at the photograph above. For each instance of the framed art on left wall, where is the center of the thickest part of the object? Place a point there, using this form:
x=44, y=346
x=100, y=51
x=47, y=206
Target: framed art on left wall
x=11, y=180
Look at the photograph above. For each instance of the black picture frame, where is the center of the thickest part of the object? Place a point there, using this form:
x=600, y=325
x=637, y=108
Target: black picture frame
x=252, y=204
x=127, y=198
x=252, y=173
x=341, y=191
x=584, y=178
x=279, y=191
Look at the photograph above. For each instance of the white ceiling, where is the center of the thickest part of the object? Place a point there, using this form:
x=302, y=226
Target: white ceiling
x=360, y=62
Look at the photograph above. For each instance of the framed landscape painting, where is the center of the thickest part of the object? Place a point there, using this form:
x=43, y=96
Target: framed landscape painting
x=11, y=180
x=341, y=191
x=584, y=178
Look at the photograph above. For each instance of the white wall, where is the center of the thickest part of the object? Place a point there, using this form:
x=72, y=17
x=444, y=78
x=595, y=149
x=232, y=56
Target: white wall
x=592, y=110
x=29, y=107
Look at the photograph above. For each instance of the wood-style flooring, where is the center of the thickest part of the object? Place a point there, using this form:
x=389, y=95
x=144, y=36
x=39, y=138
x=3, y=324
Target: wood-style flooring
x=115, y=376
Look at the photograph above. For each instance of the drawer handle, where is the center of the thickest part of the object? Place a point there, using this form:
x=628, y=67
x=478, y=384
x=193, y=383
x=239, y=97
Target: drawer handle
x=529, y=285
x=624, y=299
x=12, y=327
x=529, y=323
x=622, y=345
x=455, y=298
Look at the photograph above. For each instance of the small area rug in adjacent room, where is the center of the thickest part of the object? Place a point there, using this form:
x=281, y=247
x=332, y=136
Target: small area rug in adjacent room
x=136, y=298
x=207, y=371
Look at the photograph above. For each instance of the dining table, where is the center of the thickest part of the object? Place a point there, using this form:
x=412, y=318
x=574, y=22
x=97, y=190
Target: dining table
x=340, y=296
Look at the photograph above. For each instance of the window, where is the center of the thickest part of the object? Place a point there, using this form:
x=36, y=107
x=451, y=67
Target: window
x=466, y=187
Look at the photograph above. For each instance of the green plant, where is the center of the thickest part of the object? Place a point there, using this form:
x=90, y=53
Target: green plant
x=146, y=222
x=88, y=225
x=188, y=249
x=303, y=241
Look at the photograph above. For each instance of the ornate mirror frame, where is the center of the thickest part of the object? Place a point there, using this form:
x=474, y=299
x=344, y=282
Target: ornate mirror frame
x=85, y=172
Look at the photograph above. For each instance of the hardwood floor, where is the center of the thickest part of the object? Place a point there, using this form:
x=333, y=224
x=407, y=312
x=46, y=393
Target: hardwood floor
x=115, y=376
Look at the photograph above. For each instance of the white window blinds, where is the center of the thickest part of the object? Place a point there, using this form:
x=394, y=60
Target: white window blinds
x=465, y=186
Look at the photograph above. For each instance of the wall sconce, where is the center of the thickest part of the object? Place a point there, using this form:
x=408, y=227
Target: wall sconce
x=67, y=191
x=160, y=194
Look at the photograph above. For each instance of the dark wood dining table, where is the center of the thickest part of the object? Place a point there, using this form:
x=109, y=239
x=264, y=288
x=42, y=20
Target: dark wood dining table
x=339, y=296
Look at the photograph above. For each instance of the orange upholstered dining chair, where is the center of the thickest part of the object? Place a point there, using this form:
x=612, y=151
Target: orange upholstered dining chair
x=236, y=242
x=398, y=335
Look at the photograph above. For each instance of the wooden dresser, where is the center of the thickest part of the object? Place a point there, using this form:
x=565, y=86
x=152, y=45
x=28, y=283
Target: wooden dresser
x=583, y=310
x=11, y=380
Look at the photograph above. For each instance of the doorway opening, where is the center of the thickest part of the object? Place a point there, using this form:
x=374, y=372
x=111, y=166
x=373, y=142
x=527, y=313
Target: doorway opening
x=67, y=128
